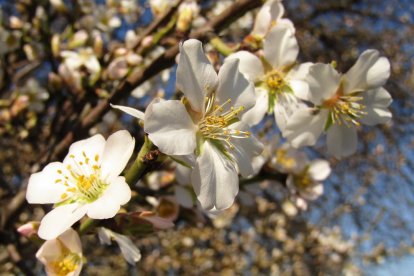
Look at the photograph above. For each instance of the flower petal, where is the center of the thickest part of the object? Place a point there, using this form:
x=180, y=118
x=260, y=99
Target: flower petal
x=323, y=82
x=118, y=150
x=286, y=104
x=376, y=103
x=91, y=147
x=304, y=127
x=117, y=194
x=196, y=77
x=342, y=140
x=182, y=174
x=234, y=86
x=60, y=219
x=369, y=72
x=129, y=110
x=129, y=250
x=71, y=240
x=170, y=128
x=270, y=12
x=214, y=179
x=183, y=196
x=319, y=169
x=255, y=114
x=245, y=149
x=280, y=47
x=250, y=65
x=42, y=187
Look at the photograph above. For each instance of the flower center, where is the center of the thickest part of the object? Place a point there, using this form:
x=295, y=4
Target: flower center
x=275, y=81
x=303, y=180
x=67, y=264
x=345, y=109
x=83, y=180
x=217, y=118
x=284, y=159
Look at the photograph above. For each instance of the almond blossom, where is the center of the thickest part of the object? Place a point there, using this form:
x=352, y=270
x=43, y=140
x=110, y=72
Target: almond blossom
x=87, y=182
x=342, y=103
x=279, y=82
x=205, y=127
x=269, y=15
x=62, y=255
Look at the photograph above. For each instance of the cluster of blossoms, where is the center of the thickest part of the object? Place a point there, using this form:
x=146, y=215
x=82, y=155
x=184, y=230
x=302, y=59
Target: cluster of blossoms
x=207, y=131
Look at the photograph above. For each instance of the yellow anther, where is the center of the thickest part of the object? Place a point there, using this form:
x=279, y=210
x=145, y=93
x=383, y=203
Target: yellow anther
x=58, y=180
x=64, y=195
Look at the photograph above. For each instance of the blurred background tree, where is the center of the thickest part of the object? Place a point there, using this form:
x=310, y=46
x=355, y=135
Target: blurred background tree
x=63, y=62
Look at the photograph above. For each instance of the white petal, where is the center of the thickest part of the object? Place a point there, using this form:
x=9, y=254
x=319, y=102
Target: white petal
x=376, y=102
x=304, y=128
x=129, y=110
x=184, y=196
x=170, y=128
x=60, y=219
x=280, y=47
x=71, y=240
x=300, y=89
x=270, y=12
x=255, y=114
x=286, y=105
x=233, y=85
x=92, y=64
x=91, y=147
x=369, y=72
x=118, y=150
x=129, y=250
x=250, y=65
x=245, y=149
x=319, y=169
x=313, y=192
x=42, y=187
x=286, y=23
x=182, y=174
x=342, y=140
x=214, y=179
x=49, y=251
x=323, y=82
x=196, y=77
x=117, y=194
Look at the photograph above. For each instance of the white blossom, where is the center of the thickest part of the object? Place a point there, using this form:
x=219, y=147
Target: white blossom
x=87, y=182
x=341, y=103
x=62, y=255
x=279, y=82
x=205, y=128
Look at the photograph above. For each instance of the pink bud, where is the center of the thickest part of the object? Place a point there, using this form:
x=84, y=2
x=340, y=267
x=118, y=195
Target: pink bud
x=28, y=229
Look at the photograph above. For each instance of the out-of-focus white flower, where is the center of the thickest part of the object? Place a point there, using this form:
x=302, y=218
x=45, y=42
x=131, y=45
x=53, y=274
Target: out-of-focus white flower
x=270, y=15
x=153, y=87
x=206, y=126
x=62, y=255
x=342, y=102
x=87, y=182
x=129, y=250
x=305, y=183
x=187, y=11
x=125, y=57
x=158, y=7
x=83, y=57
x=279, y=82
x=35, y=95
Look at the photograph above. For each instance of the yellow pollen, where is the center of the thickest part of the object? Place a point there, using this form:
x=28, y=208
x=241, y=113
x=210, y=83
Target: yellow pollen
x=275, y=81
x=96, y=158
x=66, y=264
x=285, y=160
x=58, y=180
x=217, y=118
x=345, y=109
x=64, y=195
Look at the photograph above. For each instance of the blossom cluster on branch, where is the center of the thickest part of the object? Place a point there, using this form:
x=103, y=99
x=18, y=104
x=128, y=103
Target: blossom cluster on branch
x=201, y=144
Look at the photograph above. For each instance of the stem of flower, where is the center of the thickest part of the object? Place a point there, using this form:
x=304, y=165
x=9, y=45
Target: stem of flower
x=221, y=46
x=133, y=174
